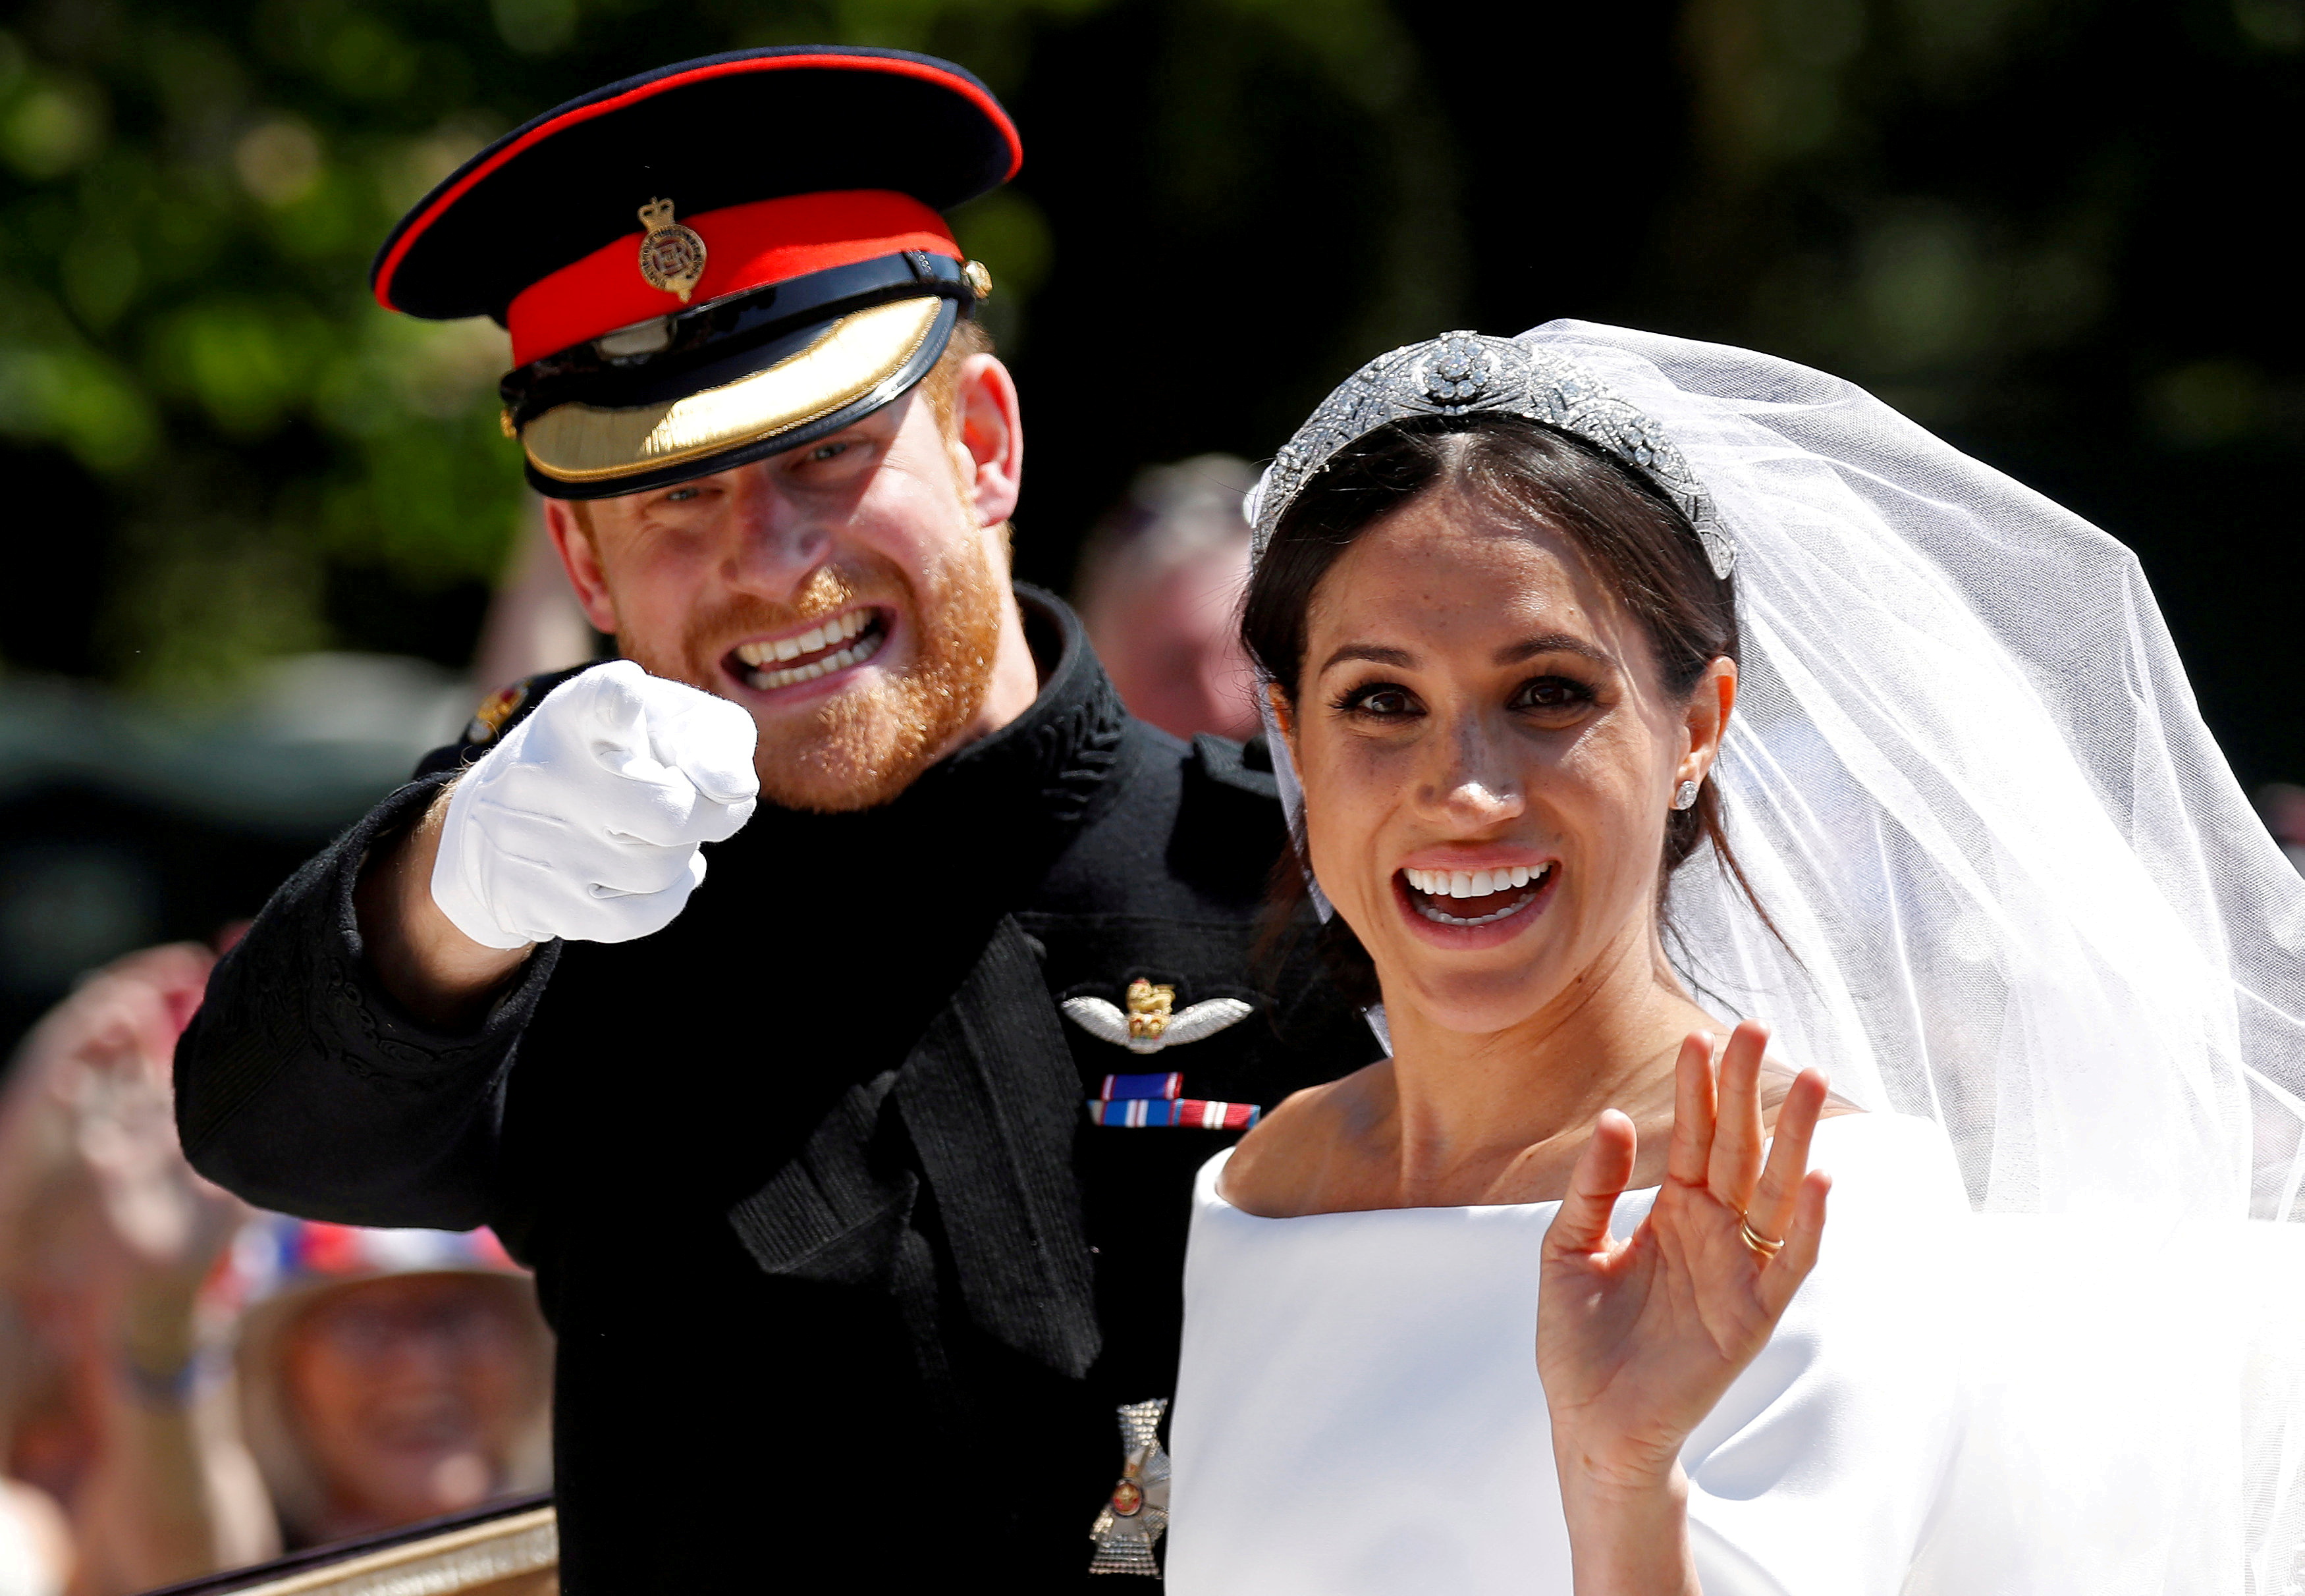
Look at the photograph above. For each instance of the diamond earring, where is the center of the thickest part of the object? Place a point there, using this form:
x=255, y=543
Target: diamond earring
x=1686, y=798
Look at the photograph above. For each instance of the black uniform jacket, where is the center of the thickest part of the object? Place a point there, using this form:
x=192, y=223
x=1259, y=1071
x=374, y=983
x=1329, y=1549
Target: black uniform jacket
x=842, y=1273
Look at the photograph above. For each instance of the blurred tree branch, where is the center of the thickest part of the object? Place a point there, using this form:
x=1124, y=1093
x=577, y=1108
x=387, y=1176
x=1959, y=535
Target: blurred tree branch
x=190, y=196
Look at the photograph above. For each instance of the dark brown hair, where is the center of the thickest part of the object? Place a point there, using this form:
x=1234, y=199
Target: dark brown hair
x=1636, y=540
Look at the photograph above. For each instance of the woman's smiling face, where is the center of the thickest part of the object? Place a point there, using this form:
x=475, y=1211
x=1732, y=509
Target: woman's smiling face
x=1488, y=756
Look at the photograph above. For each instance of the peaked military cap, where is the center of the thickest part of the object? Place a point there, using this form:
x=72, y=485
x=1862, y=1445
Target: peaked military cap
x=714, y=261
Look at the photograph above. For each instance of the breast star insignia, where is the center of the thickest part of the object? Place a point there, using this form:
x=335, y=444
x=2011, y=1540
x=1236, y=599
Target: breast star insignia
x=1138, y=1510
x=1149, y=1025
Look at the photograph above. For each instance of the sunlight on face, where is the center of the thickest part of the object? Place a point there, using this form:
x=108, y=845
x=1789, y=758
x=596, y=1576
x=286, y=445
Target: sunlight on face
x=842, y=592
x=1488, y=759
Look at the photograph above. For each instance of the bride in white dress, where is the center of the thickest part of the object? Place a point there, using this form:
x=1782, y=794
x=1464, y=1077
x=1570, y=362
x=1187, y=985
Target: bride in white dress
x=1919, y=781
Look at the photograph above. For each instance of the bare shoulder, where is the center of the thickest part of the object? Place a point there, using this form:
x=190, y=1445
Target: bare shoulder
x=1778, y=1074
x=1310, y=1152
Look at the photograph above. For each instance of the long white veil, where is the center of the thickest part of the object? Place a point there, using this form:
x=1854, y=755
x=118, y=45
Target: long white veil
x=2019, y=893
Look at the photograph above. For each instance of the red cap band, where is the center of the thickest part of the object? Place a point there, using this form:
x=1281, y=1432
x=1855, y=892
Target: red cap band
x=745, y=246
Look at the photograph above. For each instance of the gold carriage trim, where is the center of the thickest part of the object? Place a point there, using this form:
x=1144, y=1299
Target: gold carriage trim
x=515, y=1556
x=583, y=443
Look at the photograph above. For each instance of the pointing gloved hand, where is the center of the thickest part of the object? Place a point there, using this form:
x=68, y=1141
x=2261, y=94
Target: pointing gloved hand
x=584, y=822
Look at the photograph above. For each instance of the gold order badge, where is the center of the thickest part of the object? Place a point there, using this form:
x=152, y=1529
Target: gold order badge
x=495, y=710
x=1149, y=1007
x=672, y=257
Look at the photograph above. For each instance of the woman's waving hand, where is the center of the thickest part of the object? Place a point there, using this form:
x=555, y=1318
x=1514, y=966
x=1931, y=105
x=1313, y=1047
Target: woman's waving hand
x=1637, y=1339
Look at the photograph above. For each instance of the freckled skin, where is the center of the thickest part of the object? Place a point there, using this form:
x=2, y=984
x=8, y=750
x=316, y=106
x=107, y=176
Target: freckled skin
x=894, y=511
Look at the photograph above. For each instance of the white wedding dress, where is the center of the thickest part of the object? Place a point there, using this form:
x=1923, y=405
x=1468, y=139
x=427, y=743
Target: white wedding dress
x=1358, y=1412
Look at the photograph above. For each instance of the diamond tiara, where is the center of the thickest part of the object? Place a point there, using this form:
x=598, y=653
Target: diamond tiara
x=1468, y=373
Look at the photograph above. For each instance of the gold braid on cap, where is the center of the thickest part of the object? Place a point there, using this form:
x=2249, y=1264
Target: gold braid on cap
x=1462, y=373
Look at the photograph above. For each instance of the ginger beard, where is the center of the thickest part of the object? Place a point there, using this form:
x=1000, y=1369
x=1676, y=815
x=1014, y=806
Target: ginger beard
x=867, y=743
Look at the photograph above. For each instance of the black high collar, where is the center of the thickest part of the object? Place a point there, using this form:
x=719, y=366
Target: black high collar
x=1032, y=784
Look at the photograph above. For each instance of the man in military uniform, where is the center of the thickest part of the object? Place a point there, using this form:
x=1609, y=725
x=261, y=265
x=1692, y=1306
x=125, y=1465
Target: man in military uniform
x=856, y=1178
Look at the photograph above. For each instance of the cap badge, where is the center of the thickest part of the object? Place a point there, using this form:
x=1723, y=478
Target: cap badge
x=672, y=257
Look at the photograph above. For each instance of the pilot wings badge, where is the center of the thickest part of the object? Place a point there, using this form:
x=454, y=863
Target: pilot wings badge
x=1150, y=1025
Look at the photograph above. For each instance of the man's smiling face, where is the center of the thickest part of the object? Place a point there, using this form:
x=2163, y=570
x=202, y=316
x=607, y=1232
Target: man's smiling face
x=852, y=593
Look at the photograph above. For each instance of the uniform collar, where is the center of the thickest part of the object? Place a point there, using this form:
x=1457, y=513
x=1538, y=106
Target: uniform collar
x=1063, y=749
x=1030, y=785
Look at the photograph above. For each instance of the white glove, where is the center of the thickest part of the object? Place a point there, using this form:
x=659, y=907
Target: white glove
x=584, y=822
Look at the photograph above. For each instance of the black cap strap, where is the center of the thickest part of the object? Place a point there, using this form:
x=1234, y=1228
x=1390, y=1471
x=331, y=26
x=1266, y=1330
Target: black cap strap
x=670, y=355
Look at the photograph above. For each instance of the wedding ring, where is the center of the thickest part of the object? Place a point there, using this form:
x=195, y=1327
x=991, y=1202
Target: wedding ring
x=1761, y=1244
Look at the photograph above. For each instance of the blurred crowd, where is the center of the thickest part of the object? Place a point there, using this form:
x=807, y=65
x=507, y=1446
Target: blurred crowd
x=1159, y=589
x=188, y=1384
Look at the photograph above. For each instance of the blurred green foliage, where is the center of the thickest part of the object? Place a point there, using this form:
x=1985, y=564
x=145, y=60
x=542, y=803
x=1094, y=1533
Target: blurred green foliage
x=190, y=200
x=2054, y=229
x=2057, y=232
x=182, y=256
x=1965, y=202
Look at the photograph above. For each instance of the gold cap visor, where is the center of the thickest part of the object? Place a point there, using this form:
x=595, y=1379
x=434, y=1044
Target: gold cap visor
x=588, y=446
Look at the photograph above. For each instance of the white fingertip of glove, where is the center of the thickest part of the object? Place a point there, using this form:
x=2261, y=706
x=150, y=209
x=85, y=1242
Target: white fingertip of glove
x=584, y=822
